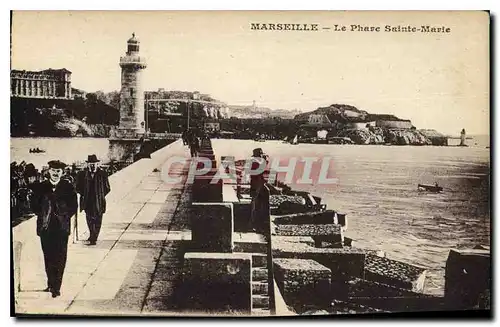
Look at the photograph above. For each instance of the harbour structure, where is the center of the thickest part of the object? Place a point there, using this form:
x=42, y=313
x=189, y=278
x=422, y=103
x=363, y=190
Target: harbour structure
x=130, y=134
x=132, y=124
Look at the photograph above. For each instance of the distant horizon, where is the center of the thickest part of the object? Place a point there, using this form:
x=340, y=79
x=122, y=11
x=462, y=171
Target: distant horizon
x=437, y=81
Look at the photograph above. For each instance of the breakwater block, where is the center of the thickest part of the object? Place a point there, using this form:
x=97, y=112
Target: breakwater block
x=366, y=288
x=309, y=230
x=204, y=190
x=468, y=279
x=242, y=213
x=423, y=302
x=390, y=298
x=339, y=307
x=317, y=217
x=344, y=263
x=394, y=273
x=341, y=219
x=303, y=281
x=287, y=204
x=217, y=281
x=321, y=233
x=294, y=239
x=212, y=227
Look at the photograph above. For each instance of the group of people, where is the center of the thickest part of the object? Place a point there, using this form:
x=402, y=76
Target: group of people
x=24, y=178
x=54, y=202
x=192, y=138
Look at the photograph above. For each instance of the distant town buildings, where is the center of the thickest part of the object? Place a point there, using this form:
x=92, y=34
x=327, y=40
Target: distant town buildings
x=48, y=83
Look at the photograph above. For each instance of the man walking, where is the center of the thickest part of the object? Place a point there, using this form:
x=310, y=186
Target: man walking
x=93, y=186
x=194, y=144
x=54, y=204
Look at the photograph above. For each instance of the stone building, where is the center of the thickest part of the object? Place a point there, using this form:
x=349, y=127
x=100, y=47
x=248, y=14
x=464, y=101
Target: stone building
x=45, y=84
x=132, y=93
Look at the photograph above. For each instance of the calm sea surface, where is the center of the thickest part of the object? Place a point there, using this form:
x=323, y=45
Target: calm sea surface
x=377, y=189
x=68, y=150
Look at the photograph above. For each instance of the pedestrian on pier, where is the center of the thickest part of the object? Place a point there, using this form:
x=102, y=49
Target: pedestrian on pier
x=185, y=135
x=194, y=144
x=257, y=190
x=54, y=203
x=93, y=186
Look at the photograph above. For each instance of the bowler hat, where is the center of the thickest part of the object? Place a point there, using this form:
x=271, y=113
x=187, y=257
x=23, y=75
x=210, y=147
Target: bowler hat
x=257, y=152
x=92, y=158
x=56, y=164
x=30, y=170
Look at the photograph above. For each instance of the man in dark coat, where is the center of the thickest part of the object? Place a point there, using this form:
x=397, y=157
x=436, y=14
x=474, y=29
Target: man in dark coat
x=93, y=186
x=257, y=189
x=54, y=203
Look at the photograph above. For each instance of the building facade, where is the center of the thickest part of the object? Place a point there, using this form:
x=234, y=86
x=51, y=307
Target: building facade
x=45, y=84
x=132, y=92
x=394, y=124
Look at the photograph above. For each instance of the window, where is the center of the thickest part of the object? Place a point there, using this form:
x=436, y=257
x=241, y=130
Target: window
x=131, y=93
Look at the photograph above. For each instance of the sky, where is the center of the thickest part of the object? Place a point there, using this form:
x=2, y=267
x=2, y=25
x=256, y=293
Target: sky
x=439, y=81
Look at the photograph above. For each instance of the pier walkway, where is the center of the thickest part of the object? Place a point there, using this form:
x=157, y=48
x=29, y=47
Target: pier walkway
x=134, y=266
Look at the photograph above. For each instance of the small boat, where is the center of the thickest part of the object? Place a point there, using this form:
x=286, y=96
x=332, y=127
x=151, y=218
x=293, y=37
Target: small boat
x=37, y=150
x=431, y=188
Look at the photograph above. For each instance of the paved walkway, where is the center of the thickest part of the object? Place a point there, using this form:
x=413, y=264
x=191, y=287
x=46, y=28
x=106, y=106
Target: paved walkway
x=135, y=265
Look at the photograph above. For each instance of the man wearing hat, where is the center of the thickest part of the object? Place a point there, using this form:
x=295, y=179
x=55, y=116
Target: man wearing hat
x=54, y=203
x=257, y=182
x=93, y=186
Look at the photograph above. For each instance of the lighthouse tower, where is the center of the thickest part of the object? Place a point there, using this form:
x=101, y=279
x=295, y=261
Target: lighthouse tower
x=126, y=141
x=132, y=92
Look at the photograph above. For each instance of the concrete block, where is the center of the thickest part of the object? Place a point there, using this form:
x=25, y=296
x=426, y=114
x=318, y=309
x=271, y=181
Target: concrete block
x=217, y=281
x=309, y=230
x=347, y=307
x=344, y=263
x=204, y=190
x=259, y=274
x=324, y=235
x=316, y=217
x=212, y=227
x=259, y=260
x=303, y=281
x=341, y=219
x=260, y=288
x=362, y=288
x=394, y=273
x=424, y=302
x=242, y=213
x=260, y=301
x=468, y=279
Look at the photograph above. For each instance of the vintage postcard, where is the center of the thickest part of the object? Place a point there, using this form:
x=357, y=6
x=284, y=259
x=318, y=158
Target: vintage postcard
x=250, y=163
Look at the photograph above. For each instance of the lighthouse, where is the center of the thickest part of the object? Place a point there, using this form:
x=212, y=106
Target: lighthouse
x=126, y=141
x=132, y=93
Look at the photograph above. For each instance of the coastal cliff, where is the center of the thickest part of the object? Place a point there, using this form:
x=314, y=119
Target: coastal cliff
x=362, y=127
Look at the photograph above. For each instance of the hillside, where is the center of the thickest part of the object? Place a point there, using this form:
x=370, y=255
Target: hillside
x=59, y=117
x=344, y=113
